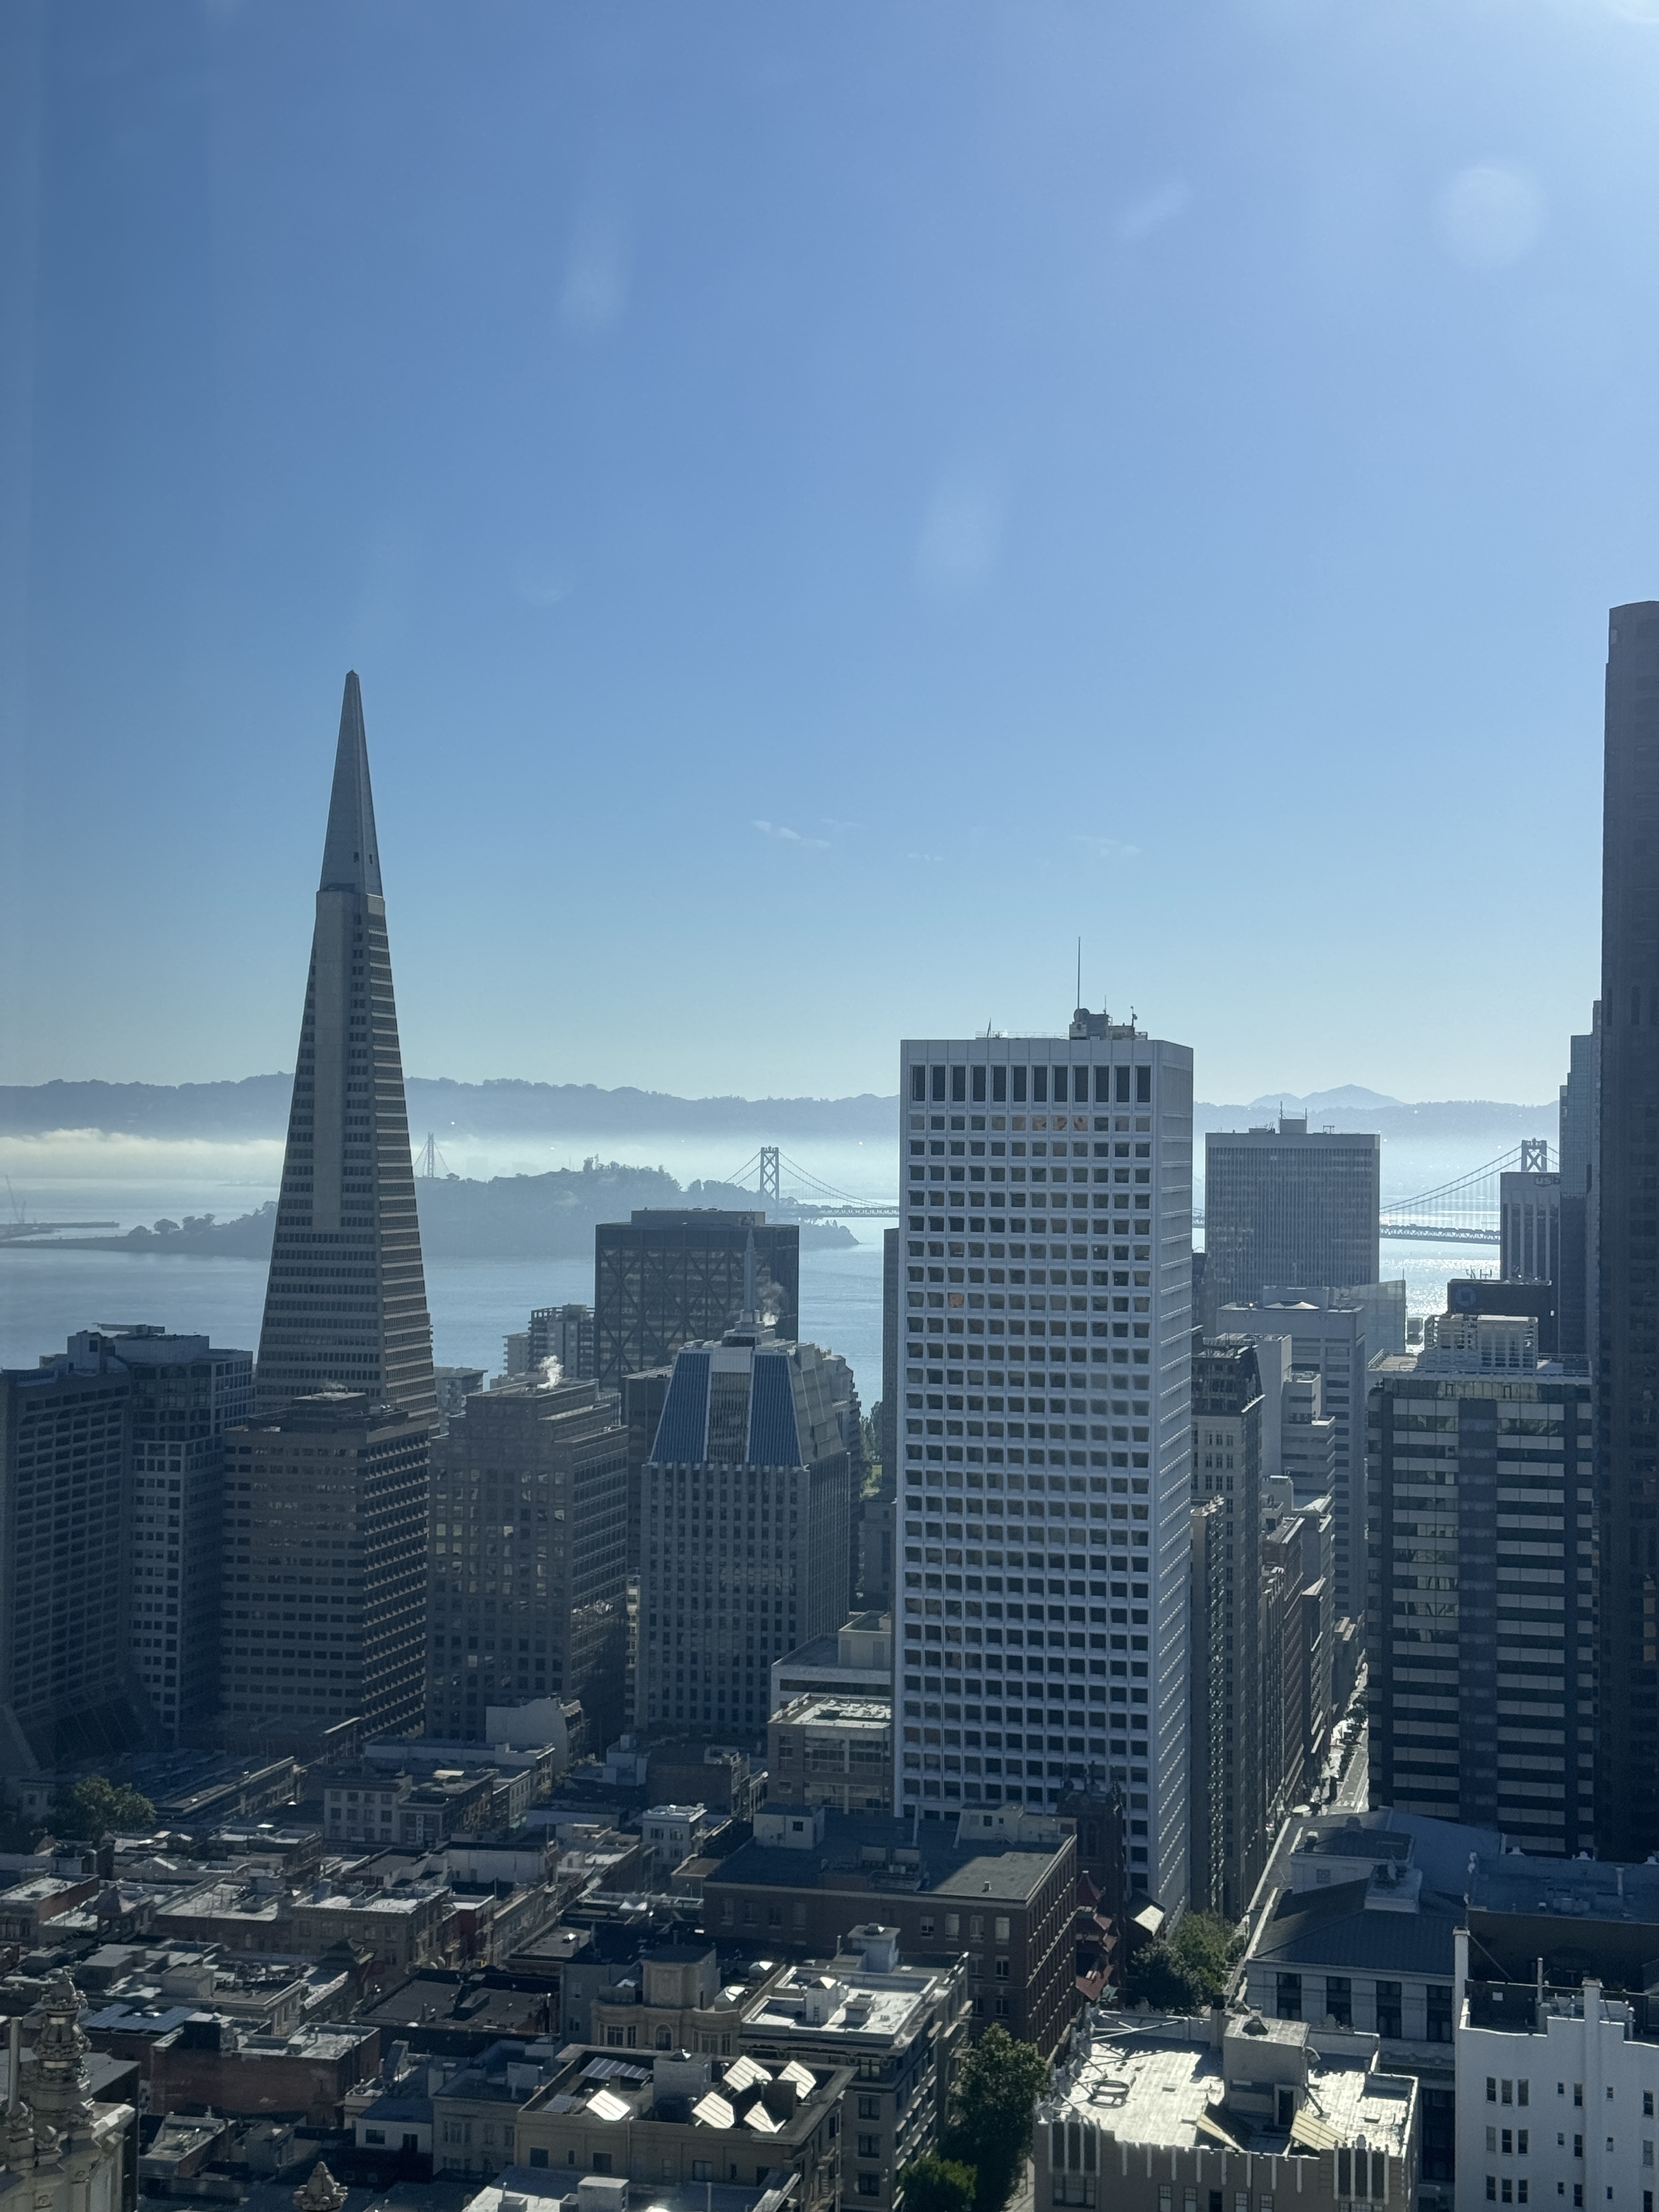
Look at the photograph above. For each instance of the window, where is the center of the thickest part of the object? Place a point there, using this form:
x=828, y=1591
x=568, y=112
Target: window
x=1492, y=2189
x=869, y=2184
x=1387, y=2011
x=1439, y=2018
x=601, y=2162
x=1289, y=1996
x=538, y=2156
x=1339, y=1999
x=869, y=2146
x=1647, y=2103
x=869, y=2108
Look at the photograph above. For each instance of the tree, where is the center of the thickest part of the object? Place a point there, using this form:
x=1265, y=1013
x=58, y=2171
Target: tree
x=1208, y=1949
x=994, y=2095
x=1187, y=1972
x=95, y=1805
x=937, y=2184
x=1157, y=1975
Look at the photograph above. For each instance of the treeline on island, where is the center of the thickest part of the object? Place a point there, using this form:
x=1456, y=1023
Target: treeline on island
x=510, y=1217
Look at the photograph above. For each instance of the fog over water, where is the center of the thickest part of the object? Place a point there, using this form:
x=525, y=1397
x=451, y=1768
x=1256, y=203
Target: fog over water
x=78, y=1175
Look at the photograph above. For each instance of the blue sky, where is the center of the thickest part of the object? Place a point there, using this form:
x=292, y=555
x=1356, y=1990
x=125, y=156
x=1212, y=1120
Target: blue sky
x=827, y=504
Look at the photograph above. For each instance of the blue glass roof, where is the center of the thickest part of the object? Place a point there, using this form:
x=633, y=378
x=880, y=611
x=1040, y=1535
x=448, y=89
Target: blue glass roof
x=773, y=1439
x=684, y=1423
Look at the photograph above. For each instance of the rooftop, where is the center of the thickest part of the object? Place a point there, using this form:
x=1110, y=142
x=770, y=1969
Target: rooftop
x=864, y=1852
x=840, y=2001
x=1159, y=2081
x=719, y=2094
x=533, y=2189
x=824, y=1708
x=1578, y=1889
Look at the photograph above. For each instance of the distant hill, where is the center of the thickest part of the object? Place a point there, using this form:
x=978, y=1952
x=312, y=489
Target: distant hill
x=257, y=1107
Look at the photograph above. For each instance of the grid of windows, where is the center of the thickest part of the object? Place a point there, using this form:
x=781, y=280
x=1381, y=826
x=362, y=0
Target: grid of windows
x=1044, y=1357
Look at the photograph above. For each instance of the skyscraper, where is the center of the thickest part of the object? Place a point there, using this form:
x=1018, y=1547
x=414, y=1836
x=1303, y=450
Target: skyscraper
x=529, y=1558
x=747, y=1509
x=1047, y=1195
x=345, y=1302
x=1289, y=1205
x=68, y=1688
x=1482, y=1606
x=187, y=1393
x=1580, y=1143
x=1625, y=1357
x=1329, y=1339
x=669, y=1276
x=1227, y=1425
x=324, y=1588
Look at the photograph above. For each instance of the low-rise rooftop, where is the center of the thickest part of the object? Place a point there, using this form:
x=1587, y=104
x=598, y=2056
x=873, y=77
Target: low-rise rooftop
x=1160, y=2081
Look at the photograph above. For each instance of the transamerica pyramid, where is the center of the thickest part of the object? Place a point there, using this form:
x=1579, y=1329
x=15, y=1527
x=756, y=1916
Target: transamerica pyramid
x=345, y=1303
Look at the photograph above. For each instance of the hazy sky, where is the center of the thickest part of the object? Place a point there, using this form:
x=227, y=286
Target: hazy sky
x=828, y=504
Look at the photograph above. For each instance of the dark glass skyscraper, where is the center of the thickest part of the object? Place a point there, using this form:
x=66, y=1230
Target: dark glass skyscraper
x=1289, y=1205
x=667, y=1277
x=1626, y=1193
x=345, y=1304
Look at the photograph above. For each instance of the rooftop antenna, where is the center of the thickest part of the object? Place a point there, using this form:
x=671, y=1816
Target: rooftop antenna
x=1078, y=1001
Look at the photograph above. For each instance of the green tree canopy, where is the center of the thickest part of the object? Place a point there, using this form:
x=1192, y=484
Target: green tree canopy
x=937, y=2184
x=1208, y=1948
x=95, y=1805
x=1188, y=1971
x=997, y=2082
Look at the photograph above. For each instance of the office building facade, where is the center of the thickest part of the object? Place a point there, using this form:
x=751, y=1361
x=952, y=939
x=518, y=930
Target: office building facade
x=1290, y=1205
x=1227, y=1425
x=892, y=1304
x=1529, y=1225
x=1046, y=1189
x=528, y=1554
x=345, y=1304
x=565, y=1333
x=187, y=1393
x=1481, y=1639
x=747, y=1513
x=1625, y=1353
x=1580, y=1141
x=1329, y=1340
x=68, y=1689
x=323, y=1594
x=667, y=1278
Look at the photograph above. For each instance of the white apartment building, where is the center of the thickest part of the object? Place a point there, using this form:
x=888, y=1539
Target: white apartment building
x=1045, y=1345
x=1558, y=2108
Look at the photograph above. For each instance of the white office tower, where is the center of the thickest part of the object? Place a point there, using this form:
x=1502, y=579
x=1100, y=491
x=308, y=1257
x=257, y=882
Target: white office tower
x=1046, y=1188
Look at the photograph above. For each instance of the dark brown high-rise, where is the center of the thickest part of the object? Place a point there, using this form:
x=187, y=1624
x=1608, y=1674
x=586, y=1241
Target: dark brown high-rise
x=1626, y=1198
x=345, y=1304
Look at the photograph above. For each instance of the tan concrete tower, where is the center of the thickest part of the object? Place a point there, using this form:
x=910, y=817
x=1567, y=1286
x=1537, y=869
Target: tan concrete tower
x=345, y=1304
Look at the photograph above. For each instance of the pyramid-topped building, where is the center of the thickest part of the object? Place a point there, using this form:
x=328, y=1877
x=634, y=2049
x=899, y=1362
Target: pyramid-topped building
x=345, y=1304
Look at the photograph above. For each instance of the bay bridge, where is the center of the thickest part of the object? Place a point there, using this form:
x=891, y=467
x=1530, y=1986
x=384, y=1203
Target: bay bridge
x=1462, y=1212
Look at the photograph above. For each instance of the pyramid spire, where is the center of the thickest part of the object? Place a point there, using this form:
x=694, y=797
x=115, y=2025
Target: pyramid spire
x=351, y=852
x=345, y=1306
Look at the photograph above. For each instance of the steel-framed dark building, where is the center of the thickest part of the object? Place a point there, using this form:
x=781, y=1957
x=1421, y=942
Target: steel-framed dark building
x=1625, y=1352
x=667, y=1278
